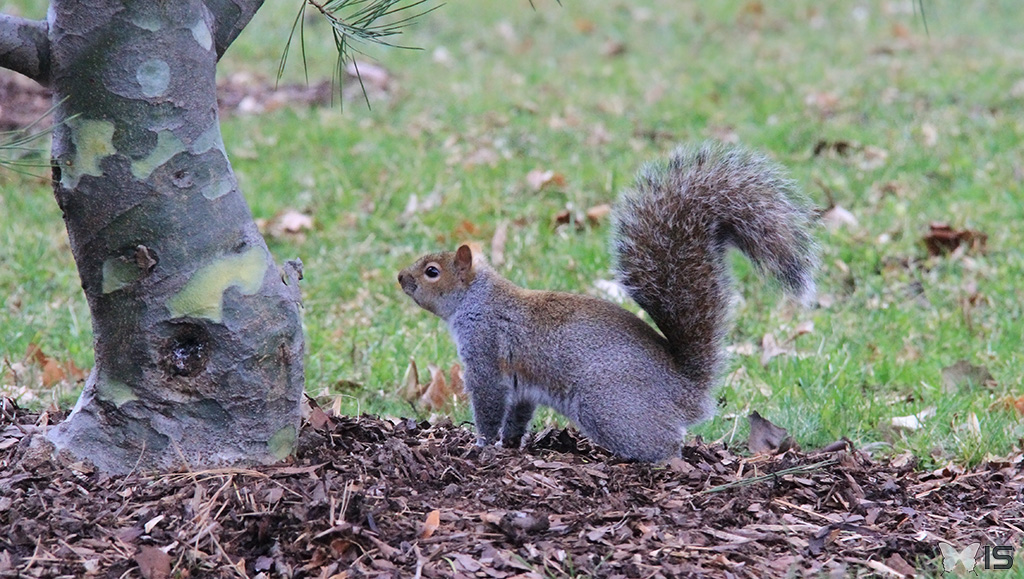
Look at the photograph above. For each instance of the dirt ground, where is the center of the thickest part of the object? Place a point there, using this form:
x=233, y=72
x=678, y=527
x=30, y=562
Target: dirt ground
x=367, y=497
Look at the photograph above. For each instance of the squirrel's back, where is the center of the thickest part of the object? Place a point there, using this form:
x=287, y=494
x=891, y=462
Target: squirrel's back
x=672, y=231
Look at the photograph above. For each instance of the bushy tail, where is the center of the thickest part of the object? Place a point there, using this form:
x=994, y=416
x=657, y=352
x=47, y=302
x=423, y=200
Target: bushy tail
x=672, y=231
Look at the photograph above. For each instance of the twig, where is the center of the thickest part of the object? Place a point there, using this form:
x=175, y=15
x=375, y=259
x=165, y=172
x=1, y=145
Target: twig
x=772, y=476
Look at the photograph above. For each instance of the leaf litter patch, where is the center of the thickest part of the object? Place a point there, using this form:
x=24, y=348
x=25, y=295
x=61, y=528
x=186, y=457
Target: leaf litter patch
x=367, y=497
x=24, y=101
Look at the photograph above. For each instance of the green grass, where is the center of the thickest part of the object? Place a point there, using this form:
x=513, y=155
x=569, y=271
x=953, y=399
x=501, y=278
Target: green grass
x=540, y=89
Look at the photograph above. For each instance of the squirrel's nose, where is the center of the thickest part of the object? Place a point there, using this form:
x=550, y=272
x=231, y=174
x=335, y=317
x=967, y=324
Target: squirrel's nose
x=407, y=281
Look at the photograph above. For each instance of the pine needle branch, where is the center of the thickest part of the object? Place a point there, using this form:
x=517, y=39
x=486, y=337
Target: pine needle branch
x=355, y=23
x=22, y=143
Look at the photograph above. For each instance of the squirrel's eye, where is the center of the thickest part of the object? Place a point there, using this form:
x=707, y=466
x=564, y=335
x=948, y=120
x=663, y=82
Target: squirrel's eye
x=432, y=272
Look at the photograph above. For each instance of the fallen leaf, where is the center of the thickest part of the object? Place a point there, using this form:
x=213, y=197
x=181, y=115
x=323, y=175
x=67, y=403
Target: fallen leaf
x=152, y=523
x=414, y=206
x=318, y=419
x=153, y=563
x=770, y=348
x=52, y=373
x=943, y=239
x=431, y=524
x=440, y=393
x=872, y=158
x=804, y=327
x=840, y=148
x=766, y=437
x=410, y=388
x=584, y=25
x=288, y=223
x=897, y=562
x=481, y=156
x=538, y=179
x=498, y=241
x=465, y=563
x=466, y=229
x=613, y=48
x=963, y=375
x=971, y=425
x=824, y=102
x=929, y=135
x=900, y=30
x=370, y=76
x=1009, y=402
x=563, y=217
x=837, y=218
x=598, y=213
x=913, y=421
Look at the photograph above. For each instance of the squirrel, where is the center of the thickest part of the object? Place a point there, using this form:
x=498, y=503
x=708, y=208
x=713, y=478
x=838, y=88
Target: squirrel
x=626, y=387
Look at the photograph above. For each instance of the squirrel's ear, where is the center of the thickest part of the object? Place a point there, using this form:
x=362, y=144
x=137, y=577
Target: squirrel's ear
x=463, y=258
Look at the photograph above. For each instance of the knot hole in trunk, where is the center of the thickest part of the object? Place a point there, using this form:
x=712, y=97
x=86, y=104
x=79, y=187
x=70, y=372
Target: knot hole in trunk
x=187, y=351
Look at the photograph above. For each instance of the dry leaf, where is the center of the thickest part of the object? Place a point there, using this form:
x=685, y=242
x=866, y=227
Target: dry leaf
x=899, y=30
x=584, y=25
x=872, y=158
x=153, y=563
x=770, y=348
x=840, y=148
x=929, y=135
x=431, y=524
x=372, y=77
x=766, y=437
x=441, y=393
x=152, y=523
x=598, y=213
x=410, y=388
x=435, y=396
x=457, y=384
x=287, y=223
x=481, y=156
x=825, y=102
x=318, y=419
x=971, y=425
x=465, y=230
x=414, y=206
x=838, y=218
x=913, y=421
x=53, y=371
x=804, y=327
x=943, y=239
x=1010, y=402
x=613, y=48
x=963, y=374
x=742, y=349
x=498, y=244
x=538, y=179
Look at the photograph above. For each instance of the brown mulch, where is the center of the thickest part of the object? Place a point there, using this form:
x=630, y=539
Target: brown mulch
x=371, y=497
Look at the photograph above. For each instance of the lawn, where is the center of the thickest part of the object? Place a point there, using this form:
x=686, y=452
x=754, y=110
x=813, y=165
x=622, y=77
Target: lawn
x=899, y=120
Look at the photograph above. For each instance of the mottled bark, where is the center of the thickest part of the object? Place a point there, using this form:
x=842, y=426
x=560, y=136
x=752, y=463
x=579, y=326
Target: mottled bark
x=25, y=48
x=197, y=331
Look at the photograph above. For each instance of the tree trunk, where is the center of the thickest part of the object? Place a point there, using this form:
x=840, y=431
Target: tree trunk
x=197, y=331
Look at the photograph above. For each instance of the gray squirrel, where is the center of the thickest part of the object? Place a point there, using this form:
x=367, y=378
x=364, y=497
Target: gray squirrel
x=627, y=387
